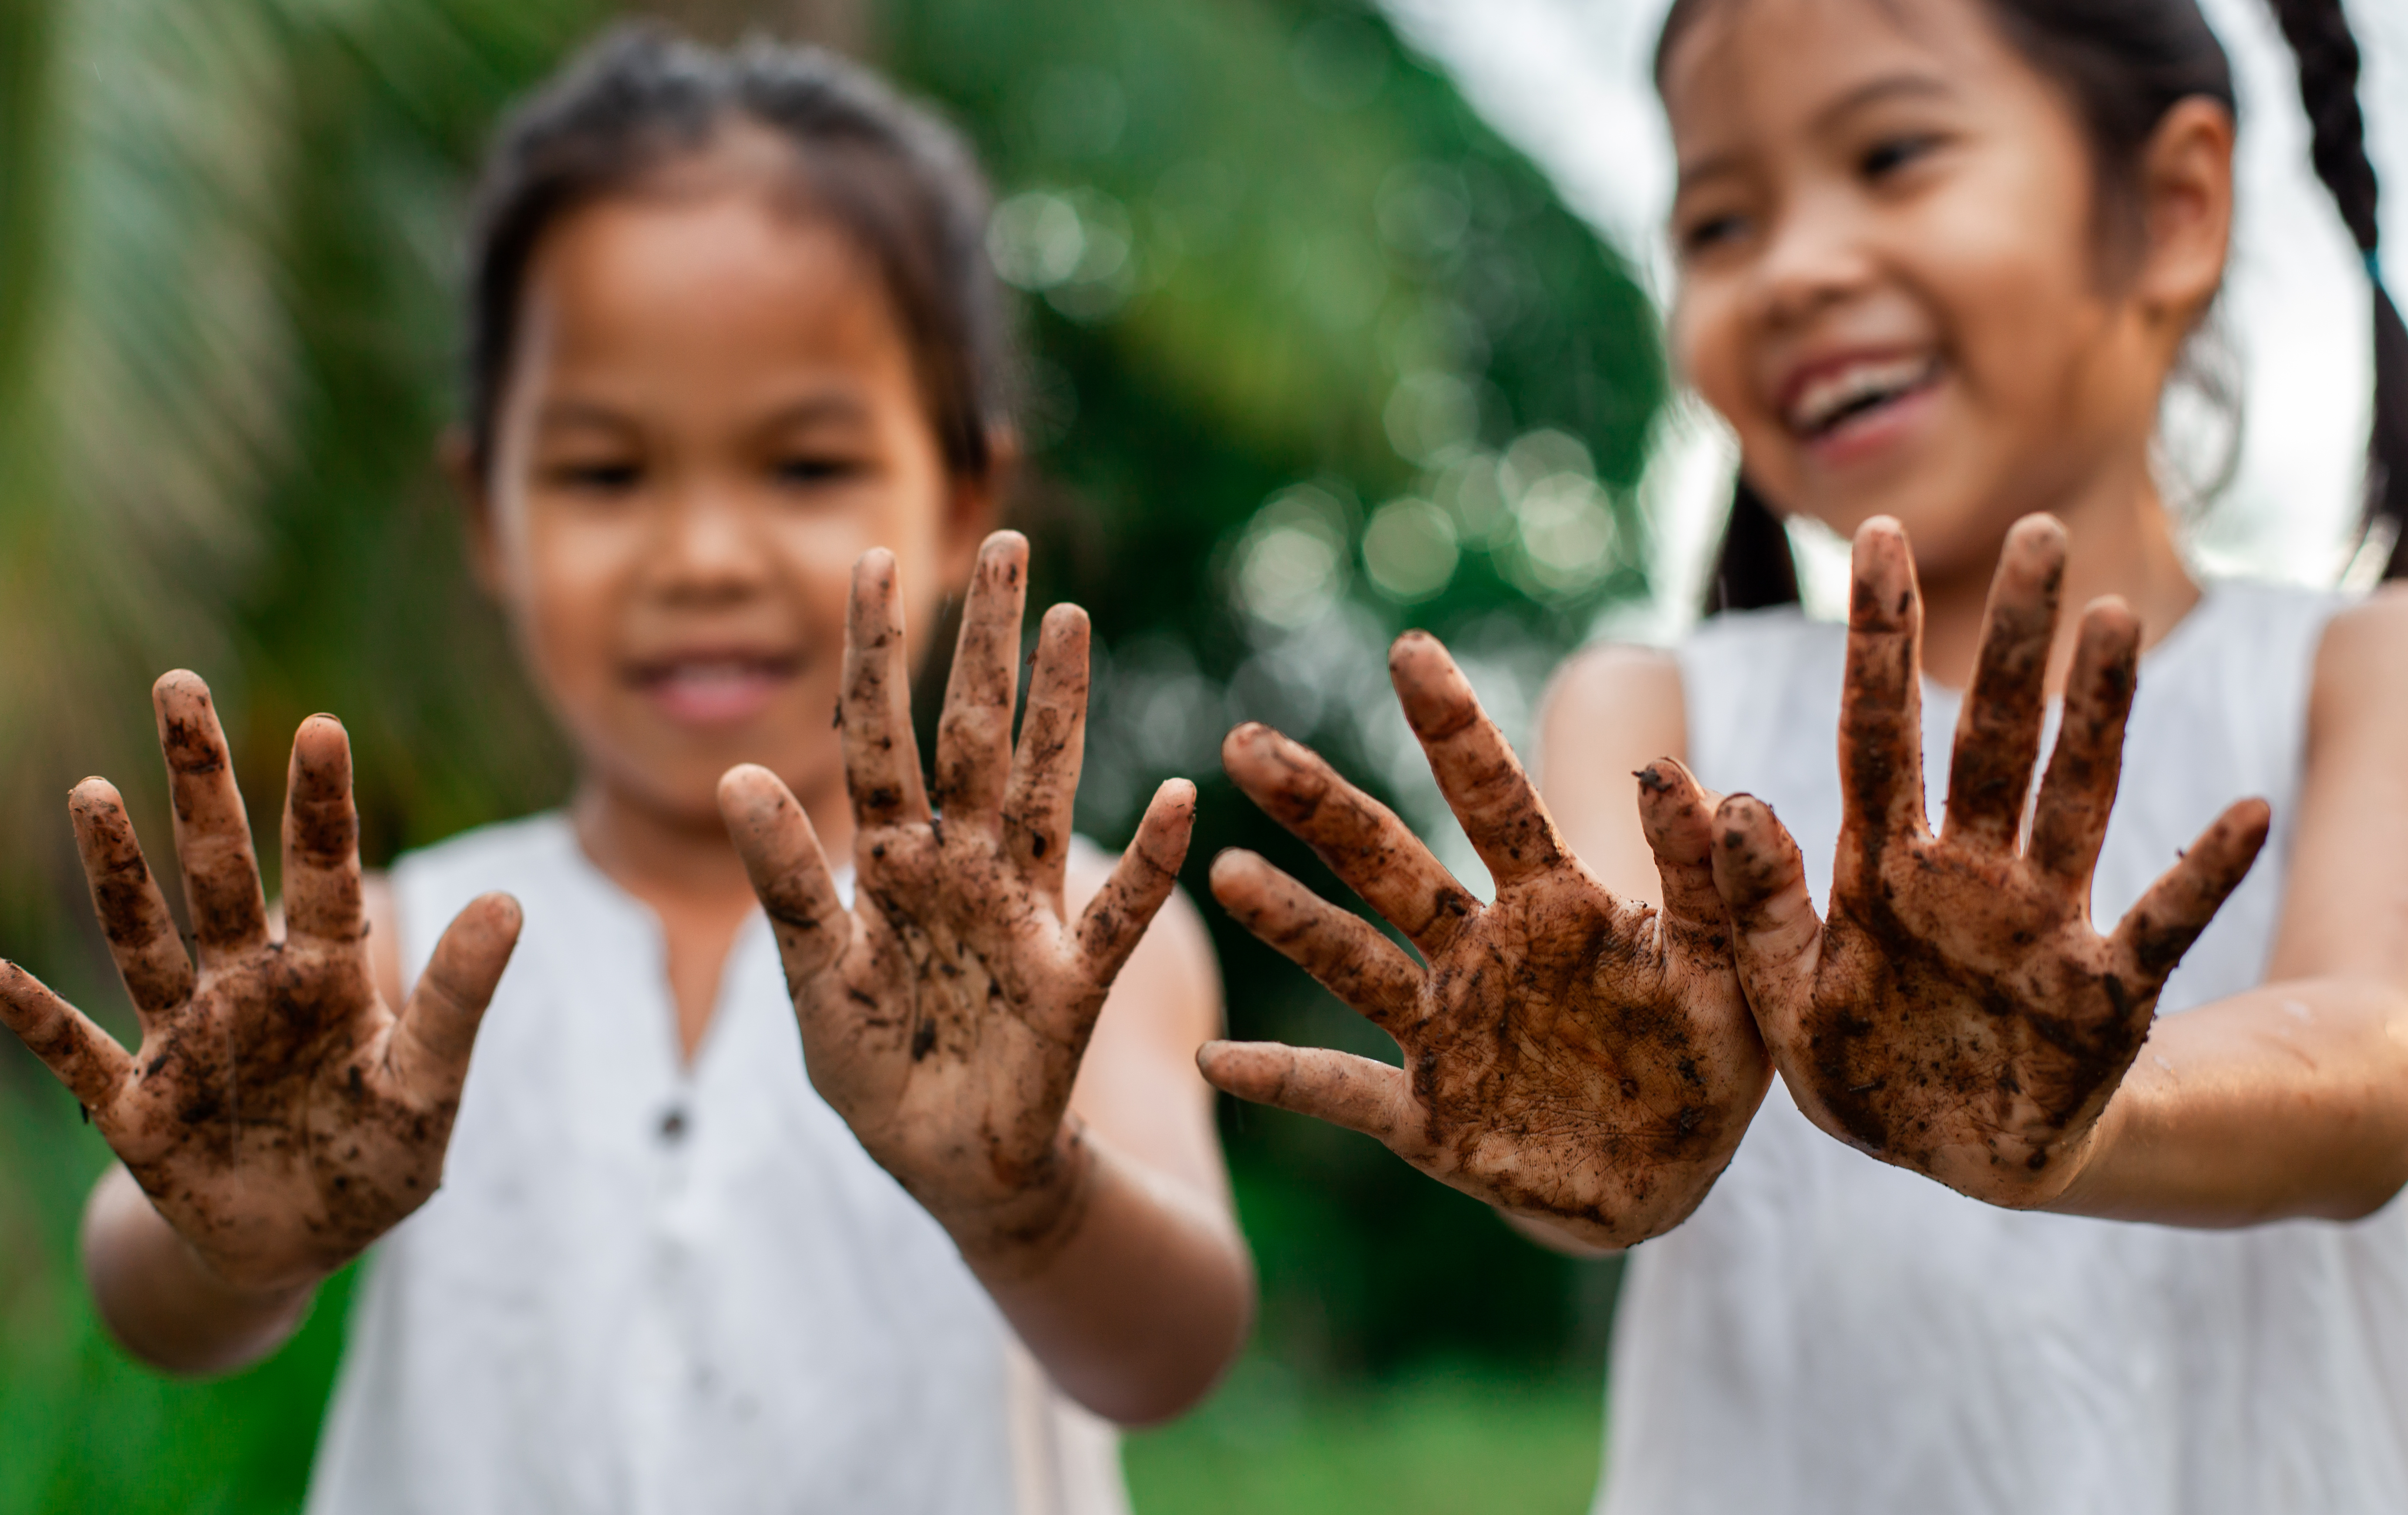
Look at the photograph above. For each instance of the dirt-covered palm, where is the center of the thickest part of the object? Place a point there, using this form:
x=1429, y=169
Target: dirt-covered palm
x=278, y=1115
x=945, y=1014
x=1956, y=1012
x=1569, y=1056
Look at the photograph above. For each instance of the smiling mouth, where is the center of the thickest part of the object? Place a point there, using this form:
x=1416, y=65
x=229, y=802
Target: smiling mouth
x=1836, y=400
x=714, y=690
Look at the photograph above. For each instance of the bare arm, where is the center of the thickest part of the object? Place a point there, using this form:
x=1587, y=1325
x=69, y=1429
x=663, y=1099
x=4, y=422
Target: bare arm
x=955, y=1014
x=277, y=1116
x=153, y=1292
x=1141, y=1310
x=2292, y=1099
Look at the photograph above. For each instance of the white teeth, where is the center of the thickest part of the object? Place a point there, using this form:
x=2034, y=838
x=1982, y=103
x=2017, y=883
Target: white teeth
x=1828, y=398
x=716, y=673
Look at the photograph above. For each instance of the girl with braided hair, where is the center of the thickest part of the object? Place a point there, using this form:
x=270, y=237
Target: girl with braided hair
x=2079, y=1192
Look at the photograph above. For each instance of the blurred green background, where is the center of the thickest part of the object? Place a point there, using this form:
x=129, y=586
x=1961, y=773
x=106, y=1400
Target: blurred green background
x=1314, y=358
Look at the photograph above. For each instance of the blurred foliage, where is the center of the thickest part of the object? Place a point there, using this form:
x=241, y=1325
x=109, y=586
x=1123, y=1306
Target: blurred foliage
x=1442, y=1440
x=1314, y=358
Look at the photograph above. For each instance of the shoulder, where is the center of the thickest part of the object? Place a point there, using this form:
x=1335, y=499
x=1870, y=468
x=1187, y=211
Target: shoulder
x=1611, y=675
x=2361, y=666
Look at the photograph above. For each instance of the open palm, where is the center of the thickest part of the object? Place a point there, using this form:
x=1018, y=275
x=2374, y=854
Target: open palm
x=277, y=1112
x=1955, y=1012
x=944, y=1016
x=1569, y=1056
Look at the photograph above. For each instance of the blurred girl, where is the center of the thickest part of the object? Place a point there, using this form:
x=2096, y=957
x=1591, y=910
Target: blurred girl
x=733, y=331
x=1940, y=262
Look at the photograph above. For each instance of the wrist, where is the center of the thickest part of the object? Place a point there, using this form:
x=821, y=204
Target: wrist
x=1019, y=1235
x=2085, y=1163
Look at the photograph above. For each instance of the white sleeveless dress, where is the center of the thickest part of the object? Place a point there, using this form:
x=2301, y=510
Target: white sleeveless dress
x=648, y=1286
x=1830, y=1336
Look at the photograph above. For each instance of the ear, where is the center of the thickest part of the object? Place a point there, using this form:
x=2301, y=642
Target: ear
x=975, y=504
x=458, y=458
x=2186, y=197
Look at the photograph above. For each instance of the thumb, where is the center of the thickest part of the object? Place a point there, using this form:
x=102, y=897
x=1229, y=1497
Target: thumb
x=1678, y=816
x=438, y=1026
x=1775, y=934
x=789, y=872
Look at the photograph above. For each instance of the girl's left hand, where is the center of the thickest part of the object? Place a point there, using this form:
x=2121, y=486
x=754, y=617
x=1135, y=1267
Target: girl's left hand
x=1957, y=1013
x=945, y=1014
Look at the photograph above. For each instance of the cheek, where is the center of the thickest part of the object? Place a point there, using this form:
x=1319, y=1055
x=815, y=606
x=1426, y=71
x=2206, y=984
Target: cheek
x=2018, y=277
x=567, y=581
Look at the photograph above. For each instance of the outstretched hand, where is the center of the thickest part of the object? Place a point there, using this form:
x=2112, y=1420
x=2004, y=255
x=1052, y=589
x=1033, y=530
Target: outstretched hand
x=1957, y=1013
x=280, y=1116
x=1569, y=1056
x=944, y=1016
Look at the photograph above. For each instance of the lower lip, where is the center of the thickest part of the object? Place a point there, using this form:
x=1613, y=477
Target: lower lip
x=1865, y=437
x=716, y=701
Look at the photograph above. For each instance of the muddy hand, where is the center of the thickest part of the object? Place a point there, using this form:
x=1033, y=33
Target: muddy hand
x=277, y=1112
x=1957, y=1013
x=945, y=1014
x=1568, y=1055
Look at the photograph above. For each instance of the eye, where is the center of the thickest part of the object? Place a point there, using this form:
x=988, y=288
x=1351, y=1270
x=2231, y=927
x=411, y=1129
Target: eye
x=1706, y=233
x=1893, y=153
x=807, y=470
x=600, y=476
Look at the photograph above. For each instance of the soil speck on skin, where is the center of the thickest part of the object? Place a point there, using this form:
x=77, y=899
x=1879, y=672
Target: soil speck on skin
x=923, y=1040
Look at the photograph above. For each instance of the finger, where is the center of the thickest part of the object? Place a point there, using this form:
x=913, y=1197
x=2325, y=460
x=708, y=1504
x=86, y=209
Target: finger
x=1114, y=921
x=321, y=837
x=881, y=757
x=790, y=873
x=1881, y=711
x=1052, y=734
x=1345, y=951
x=974, y=732
x=85, y=1058
x=2156, y=933
x=212, y=831
x=1336, y=1087
x=142, y=935
x=1677, y=816
x=1476, y=770
x=2078, y=794
x=1776, y=938
x=1997, y=733
x=1360, y=838
x=438, y=1028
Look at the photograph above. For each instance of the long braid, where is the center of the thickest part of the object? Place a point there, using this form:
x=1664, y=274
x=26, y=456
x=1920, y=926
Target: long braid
x=2321, y=40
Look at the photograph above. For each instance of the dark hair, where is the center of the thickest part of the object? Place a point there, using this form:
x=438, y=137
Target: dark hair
x=2127, y=63
x=896, y=181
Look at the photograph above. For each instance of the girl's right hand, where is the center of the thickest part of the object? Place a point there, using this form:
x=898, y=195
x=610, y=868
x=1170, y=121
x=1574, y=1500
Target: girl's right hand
x=1569, y=1057
x=279, y=1117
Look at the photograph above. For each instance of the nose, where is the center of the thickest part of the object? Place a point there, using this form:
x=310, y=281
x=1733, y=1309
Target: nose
x=1814, y=259
x=710, y=548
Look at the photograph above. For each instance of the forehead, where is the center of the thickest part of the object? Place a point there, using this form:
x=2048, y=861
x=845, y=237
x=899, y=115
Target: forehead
x=708, y=267
x=1745, y=67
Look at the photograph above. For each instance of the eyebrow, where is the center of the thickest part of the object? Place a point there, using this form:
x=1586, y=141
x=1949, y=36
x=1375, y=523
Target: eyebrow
x=834, y=407
x=1902, y=85
x=562, y=415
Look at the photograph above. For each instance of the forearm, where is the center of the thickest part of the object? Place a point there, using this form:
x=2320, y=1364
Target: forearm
x=1139, y=1299
x=162, y=1303
x=2290, y=1101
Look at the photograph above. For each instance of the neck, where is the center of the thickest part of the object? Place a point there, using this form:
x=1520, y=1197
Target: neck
x=2118, y=541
